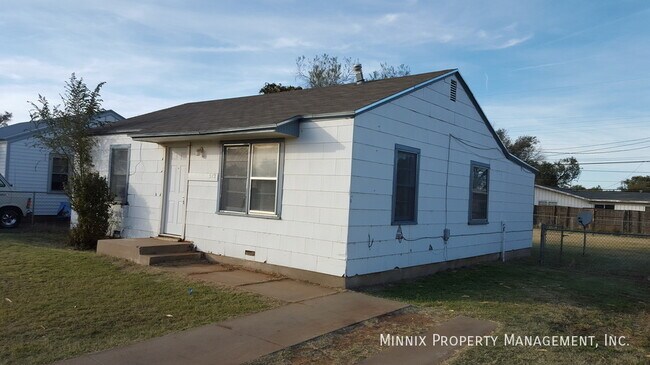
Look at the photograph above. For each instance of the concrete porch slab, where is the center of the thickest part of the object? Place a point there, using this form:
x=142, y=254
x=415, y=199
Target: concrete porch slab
x=289, y=290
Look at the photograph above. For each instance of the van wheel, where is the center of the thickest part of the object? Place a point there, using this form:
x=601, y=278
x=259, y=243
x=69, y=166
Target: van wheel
x=9, y=218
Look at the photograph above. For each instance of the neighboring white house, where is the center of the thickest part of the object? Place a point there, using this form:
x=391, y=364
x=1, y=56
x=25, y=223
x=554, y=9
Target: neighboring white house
x=616, y=200
x=32, y=169
x=326, y=180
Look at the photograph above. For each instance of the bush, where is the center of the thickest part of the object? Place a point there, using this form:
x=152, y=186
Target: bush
x=91, y=199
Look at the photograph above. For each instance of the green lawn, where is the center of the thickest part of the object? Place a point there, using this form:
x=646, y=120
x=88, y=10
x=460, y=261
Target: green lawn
x=57, y=303
x=531, y=300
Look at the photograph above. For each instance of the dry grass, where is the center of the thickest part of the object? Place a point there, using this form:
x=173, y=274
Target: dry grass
x=58, y=303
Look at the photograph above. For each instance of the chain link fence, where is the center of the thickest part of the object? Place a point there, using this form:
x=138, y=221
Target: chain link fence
x=624, y=254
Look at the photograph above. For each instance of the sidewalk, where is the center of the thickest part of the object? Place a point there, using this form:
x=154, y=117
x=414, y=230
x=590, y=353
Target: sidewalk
x=312, y=311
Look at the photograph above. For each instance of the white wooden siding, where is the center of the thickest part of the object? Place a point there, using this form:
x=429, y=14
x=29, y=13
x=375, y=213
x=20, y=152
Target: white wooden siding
x=3, y=157
x=141, y=217
x=28, y=169
x=424, y=119
x=560, y=199
x=311, y=233
x=630, y=206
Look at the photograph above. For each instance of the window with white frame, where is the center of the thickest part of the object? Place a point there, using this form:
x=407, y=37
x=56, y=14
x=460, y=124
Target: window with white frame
x=59, y=171
x=479, y=192
x=249, y=182
x=119, y=173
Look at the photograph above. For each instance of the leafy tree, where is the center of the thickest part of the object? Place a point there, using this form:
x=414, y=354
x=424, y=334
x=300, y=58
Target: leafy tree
x=387, y=71
x=270, y=88
x=325, y=70
x=64, y=129
x=5, y=118
x=527, y=148
x=559, y=173
x=636, y=183
x=582, y=188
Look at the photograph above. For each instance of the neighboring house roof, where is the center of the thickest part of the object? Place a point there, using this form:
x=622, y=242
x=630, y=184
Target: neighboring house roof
x=18, y=130
x=280, y=112
x=604, y=196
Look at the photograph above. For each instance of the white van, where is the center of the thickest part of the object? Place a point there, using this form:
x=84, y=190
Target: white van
x=13, y=205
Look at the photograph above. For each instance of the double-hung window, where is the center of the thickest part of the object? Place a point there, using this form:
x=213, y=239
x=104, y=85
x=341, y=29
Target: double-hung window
x=59, y=171
x=119, y=173
x=405, y=185
x=249, y=182
x=479, y=185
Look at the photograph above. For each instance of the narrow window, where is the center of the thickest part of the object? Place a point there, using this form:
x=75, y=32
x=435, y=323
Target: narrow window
x=119, y=173
x=405, y=185
x=479, y=191
x=59, y=171
x=249, y=181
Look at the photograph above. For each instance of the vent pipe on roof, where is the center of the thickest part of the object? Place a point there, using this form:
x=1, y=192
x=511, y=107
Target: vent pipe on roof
x=358, y=73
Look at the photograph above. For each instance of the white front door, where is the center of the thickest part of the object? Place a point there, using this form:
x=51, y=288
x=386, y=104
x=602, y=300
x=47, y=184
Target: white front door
x=174, y=215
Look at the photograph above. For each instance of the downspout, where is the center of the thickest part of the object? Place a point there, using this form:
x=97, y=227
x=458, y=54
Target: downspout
x=187, y=189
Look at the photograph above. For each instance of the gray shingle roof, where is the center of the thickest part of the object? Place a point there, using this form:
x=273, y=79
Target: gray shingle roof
x=610, y=195
x=264, y=110
x=19, y=129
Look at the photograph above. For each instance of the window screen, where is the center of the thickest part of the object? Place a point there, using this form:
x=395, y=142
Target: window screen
x=479, y=191
x=119, y=174
x=59, y=173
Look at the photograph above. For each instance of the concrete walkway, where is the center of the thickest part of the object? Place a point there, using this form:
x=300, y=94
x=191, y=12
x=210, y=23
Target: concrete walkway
x=311, y=311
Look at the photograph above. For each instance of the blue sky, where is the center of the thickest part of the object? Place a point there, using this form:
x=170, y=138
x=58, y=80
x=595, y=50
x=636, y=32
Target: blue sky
x=573, y=73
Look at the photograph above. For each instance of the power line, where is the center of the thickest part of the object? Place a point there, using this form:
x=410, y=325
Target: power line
x=608, y=162
x=599, y=152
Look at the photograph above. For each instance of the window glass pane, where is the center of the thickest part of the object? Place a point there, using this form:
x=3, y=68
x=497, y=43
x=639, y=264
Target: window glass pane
x=233, y=194
x=120, y=162
x=405, y=180
x=58, y=182
x=479, y=195
x=480, y=179
x=263, y=195
x=235, y=161
x=479, y=205
x=59, y=165
x=59, y=176
x=235, y=177
x=119, y=173
x=265, y=160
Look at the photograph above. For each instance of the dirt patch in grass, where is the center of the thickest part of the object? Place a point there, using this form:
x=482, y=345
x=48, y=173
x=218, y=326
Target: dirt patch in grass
x=57, y=303
x=358, y=342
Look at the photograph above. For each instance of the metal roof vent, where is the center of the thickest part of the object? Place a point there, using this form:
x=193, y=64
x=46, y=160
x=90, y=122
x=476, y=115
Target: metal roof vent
x=452, y=90
x=358, y=73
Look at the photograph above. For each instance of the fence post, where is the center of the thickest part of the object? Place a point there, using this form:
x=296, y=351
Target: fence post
x=33, y=207
x=561, y=241
x=584, y=240
x=542, y=243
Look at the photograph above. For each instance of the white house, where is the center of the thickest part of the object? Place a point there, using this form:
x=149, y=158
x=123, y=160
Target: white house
x=614, y=200
x=358, y=183
x=32, y=169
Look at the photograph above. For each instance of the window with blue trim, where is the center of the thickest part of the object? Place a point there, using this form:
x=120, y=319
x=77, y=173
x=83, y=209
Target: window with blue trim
x=479, y=193
x=405, y=185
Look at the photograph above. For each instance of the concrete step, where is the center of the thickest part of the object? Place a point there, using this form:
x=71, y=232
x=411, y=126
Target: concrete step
x=166, y=247
x=148, y=251
x=170, y=257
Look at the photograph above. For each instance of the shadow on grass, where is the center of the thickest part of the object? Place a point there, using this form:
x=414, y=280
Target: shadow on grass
x=523, y=282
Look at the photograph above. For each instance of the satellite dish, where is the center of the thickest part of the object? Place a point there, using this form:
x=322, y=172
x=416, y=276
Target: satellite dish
x=584, y=218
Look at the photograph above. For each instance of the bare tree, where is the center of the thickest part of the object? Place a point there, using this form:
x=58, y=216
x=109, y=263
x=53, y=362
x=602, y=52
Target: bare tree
x=5, y=118
x=325, y=70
